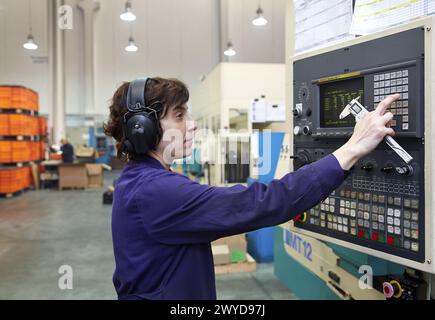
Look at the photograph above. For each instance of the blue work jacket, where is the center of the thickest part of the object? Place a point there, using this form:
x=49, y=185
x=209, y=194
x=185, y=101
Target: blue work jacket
x=163, y=223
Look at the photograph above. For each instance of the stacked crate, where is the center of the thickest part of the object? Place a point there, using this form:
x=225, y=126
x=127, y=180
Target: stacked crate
x=17, y=97
x=22, y=137
x=15, y=179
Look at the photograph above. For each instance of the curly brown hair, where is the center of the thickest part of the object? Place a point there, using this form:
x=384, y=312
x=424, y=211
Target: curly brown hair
x=169, y=92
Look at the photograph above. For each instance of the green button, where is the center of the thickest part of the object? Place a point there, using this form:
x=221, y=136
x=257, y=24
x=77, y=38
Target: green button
x=381, y=237
x=396, y=242
x=366, y=234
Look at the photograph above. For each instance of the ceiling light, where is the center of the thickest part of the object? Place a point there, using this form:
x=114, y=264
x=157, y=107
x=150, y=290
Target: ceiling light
x=30, y=44
x=128, y=14
x=260, y=20
x=131, y=45
x=230, y=50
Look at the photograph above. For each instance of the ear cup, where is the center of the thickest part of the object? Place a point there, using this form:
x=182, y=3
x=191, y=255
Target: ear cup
x=142, y=132
x=128, y=146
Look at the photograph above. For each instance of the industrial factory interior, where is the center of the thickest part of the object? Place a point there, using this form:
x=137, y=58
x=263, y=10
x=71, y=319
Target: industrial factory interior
x=218, y=150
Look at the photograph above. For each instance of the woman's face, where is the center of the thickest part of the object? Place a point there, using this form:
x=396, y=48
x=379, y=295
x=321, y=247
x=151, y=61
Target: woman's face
x=178, y=130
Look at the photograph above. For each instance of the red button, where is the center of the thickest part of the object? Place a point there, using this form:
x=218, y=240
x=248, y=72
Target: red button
x=375, y=236
x=390, y=240
x=360, y=233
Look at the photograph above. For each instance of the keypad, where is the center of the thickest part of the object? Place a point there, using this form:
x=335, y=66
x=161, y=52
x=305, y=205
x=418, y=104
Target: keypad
x=391, y=83
x=375, y=216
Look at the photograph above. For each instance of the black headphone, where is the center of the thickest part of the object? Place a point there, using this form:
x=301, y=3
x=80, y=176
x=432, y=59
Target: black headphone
x=141, y=126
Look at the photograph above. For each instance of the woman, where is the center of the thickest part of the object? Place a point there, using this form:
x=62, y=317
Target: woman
x=163, y=223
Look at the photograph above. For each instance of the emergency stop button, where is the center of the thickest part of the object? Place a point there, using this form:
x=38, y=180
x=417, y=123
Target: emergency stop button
x=392, y=289
x=388, y=290
x=300, y=217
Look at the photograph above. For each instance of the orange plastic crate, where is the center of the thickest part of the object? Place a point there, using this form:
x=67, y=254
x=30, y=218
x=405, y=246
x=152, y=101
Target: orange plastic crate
x=19, y=125
x=34, y=126
x=25, y=105
x=4, y=124
x=15, y=151
x=10, y=181
x=22, y=151
x=5, y=92
x=15, y=179
x=5, y=103
x=34, y=101
x=18, y=98
x=19, y=94
x=26, y=177
x=36, y=150
x=43, y=126
x=54, y=156
x=5, y=151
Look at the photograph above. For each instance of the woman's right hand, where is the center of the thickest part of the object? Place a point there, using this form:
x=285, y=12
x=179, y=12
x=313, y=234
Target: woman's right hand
x=367, y=134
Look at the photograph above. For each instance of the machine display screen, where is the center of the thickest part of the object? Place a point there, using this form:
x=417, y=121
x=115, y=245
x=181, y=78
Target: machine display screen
x=334, y=96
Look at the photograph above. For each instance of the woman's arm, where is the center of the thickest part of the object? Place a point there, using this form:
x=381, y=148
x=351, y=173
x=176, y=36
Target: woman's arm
x=179, y=211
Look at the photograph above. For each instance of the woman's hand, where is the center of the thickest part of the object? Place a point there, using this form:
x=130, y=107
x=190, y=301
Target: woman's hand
x=368, y=133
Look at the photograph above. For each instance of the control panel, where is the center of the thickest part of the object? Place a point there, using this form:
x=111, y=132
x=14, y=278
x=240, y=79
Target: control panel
x=380, y=208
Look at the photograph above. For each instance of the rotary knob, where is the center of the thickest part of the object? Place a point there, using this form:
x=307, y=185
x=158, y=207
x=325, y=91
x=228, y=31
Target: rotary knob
x=297, y=131
x=306, y=131
x=405, y=170
x=368, y=166
x=297, y=112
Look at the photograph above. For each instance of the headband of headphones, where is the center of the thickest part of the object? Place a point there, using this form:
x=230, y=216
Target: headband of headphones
x=136, y=95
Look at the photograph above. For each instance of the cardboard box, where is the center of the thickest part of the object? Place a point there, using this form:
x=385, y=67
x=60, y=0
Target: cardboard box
x=221, y=254
x=83, y=152
x=35, y=175
x=72, y=176
x=248, y=266
x=237, y=245
x=95, y=175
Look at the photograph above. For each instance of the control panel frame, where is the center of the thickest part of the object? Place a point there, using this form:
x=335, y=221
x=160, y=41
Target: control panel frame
x=427, y=264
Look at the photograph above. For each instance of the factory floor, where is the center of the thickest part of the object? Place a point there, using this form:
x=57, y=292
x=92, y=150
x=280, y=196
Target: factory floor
x=40, y=231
